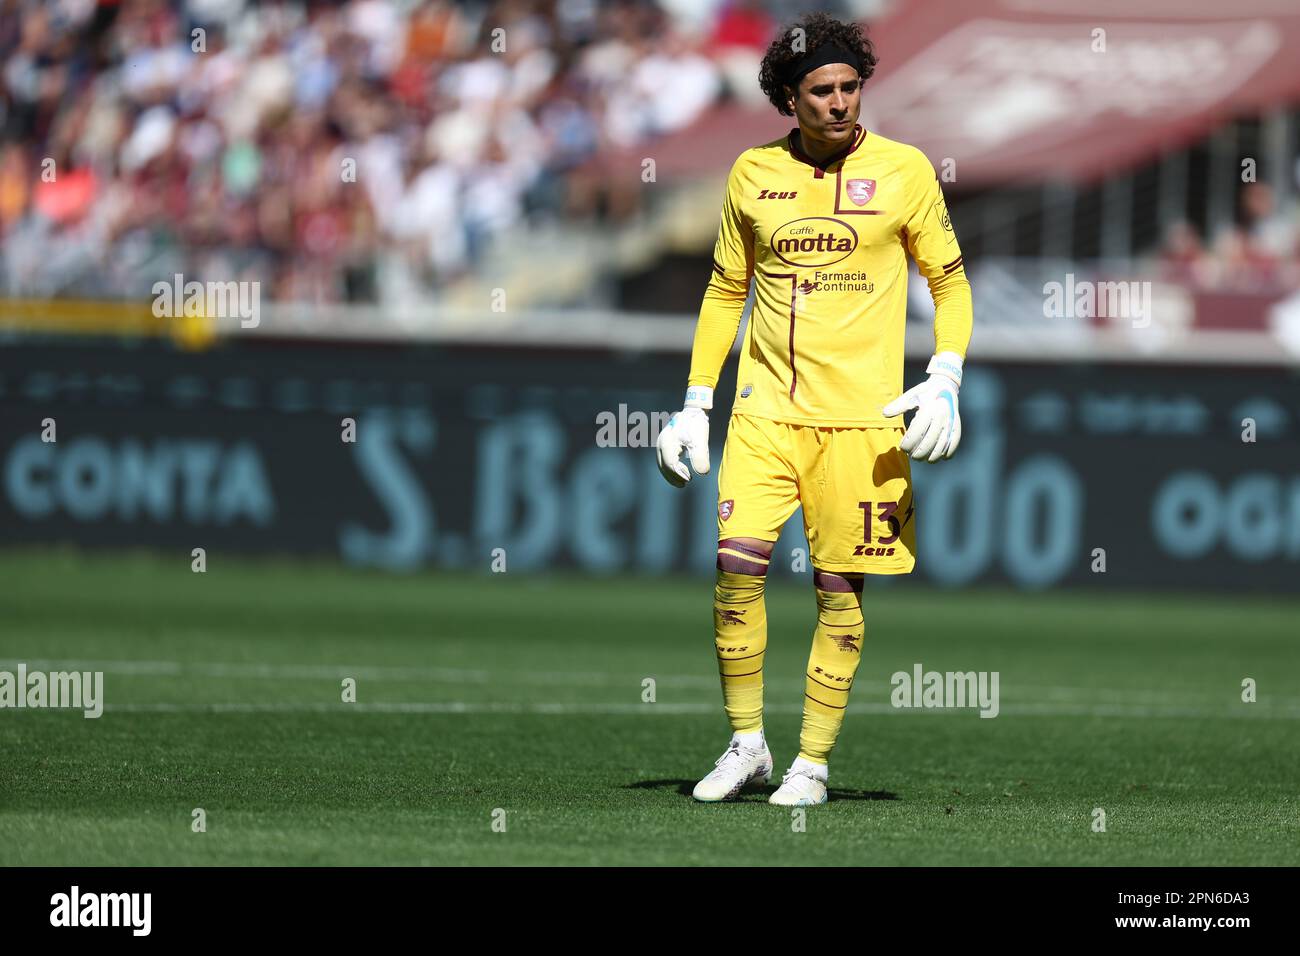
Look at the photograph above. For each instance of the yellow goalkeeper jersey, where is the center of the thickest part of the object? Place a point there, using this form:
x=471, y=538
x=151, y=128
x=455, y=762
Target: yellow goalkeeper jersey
x=827, y=247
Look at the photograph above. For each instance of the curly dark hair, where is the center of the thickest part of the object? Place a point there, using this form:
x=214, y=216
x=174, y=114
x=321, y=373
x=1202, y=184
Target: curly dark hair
x=818, y=28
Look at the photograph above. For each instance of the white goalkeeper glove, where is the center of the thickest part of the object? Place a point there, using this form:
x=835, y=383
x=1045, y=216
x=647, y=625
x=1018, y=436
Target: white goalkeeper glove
x=687, y=430
x=936, y=427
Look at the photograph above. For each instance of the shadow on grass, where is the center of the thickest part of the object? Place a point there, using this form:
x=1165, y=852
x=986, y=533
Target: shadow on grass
x=687, y=787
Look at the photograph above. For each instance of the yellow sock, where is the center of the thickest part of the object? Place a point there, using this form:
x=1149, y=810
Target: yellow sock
x=740, y=634
x=836, y=651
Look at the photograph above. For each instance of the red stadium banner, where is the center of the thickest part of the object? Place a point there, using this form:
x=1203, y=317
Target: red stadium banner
x=1023, y=91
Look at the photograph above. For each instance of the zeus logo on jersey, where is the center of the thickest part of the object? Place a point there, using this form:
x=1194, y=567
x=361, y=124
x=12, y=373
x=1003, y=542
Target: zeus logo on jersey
x=813, y=241
x=866, y=550
x=773, y=194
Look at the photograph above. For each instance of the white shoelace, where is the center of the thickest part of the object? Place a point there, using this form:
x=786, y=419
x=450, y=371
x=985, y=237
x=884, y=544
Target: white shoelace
x=732, y=751
x=735, y=750
x=801, y=772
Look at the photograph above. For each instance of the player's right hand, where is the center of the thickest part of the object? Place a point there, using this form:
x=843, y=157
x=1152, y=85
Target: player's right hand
x=687, y=431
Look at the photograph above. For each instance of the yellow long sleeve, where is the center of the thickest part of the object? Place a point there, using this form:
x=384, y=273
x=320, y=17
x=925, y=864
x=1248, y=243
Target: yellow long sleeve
x=724, y=303
x=953, y=312
x=724, y=299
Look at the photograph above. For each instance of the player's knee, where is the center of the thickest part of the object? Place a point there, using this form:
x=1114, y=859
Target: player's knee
x=733, y=589
x=742, y=570
x=832, y=582
x=744, y=556
x=839, y=598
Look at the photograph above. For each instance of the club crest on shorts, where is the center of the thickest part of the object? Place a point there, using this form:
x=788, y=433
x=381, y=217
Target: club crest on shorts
x=725, y=508
x=861, y=190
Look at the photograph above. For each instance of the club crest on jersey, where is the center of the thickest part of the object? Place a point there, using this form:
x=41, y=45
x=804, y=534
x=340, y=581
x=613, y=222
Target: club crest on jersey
x=860, y=190
x=725, y=508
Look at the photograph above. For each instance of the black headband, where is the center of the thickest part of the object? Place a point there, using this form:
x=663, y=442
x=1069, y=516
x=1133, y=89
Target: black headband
x=828, y=52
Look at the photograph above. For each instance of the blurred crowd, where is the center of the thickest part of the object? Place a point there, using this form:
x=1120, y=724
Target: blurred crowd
x=1259, y=252
x=374, y=151
x=358, y=151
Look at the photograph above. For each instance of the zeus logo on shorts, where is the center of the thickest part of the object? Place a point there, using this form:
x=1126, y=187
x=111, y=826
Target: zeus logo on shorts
x=866, y=550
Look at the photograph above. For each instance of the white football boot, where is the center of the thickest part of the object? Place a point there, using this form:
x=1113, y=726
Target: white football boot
x=804, y=785
x=739, y=767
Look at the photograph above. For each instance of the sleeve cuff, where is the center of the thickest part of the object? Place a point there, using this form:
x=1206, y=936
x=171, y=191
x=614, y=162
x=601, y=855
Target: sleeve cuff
x=947, y=364
x=699, y=396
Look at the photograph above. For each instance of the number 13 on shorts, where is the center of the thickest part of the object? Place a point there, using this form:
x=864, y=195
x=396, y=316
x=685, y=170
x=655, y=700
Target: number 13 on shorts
x=884, y=518
x=862, y=518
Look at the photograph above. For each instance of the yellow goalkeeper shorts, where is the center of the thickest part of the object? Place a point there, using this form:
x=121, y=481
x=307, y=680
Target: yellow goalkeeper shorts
x=855, y=486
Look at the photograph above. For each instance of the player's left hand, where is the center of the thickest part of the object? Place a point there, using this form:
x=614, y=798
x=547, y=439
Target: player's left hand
x=936, y=427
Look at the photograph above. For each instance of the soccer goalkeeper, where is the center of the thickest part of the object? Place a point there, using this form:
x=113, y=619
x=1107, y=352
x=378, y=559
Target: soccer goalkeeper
x=822, y=220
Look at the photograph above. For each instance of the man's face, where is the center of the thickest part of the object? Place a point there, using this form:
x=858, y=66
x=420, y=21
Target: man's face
x=827, y=104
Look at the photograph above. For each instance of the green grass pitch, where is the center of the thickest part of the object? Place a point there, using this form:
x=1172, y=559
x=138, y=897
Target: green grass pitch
x=524, y=694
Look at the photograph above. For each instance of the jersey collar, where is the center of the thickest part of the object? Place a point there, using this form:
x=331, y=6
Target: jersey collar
x=859, y=134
